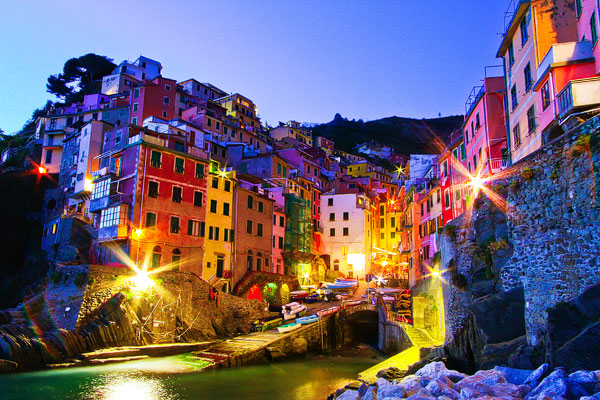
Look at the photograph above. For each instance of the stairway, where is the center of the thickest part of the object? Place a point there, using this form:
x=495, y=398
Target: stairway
x=417, y=336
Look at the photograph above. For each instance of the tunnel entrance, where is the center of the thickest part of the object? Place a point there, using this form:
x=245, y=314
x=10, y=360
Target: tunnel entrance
x=364, y=326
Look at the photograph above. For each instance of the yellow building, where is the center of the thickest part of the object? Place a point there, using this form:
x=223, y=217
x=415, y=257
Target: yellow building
x=366, y=169
x=219, y=227
x=294, y=130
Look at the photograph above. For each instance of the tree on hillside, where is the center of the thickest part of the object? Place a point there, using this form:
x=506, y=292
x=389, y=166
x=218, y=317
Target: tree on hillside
x=80, y=76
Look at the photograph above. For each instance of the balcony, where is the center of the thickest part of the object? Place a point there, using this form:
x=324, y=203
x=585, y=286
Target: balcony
x=146, y=138
x=565, y=53
x=498, y=164
x=577, y=95
x=102, y=172
x=107, y=201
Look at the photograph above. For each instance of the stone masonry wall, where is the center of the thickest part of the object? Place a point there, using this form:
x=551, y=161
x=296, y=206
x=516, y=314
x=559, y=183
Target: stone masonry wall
x=554, y=223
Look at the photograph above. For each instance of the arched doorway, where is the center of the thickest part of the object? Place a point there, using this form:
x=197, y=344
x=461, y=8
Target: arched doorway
x=249, y=261
x=156, y=257
x=175, y=258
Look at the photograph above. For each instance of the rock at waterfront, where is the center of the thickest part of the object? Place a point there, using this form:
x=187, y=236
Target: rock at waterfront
x=582, y=352
x=442, y=387
x=537, y=376
x=513, y=375
x=554, y=386
x=299, y=346
x=583, y=383
x=348, y=395
x=422, y=394
x=479, y=384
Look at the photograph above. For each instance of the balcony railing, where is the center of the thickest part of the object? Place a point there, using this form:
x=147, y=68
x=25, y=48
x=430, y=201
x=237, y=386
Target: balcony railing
x=578, y=94
x=498, y=164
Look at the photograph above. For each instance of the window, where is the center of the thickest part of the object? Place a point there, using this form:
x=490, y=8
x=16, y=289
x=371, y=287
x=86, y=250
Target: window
x=463, y=152
x=177, y=194
x=211, y=232
x=150, y=220
x=134, y=120
x=259, y=229
x=167, y=87
x=467, y=135
x=258, y=261
x=474, y=166
x=531, y=119
x=113, y=216
x=346, y=232
x=517, y=136
x=477, y=121
x=447, y=198
x=594, y=29
x=382, y=223
x=527, y=76
x=175, y=258
x=202, y=228
x=179, y=165
x=136, y=93
x=215, y=183
x=260, y=206
x=330, y=202
x=213, y=206
x=513, y=97
x=439, y=192
x=135, y=107
x=101, y=189
x=250, y=202
x=155, y=159
x=578, y=8
x=225, y=208
x=193, y=228
x=227, y=186
x=174, y=225
x=280, y=242
x=332, y=216
x=546, y=95
x=331, y=231
x=197, y=199
x=216, y=233
x=166, y=100
x=200, y=171
x=48, y=156
x=346, y=216
x=153, y=189
x=249, y=227
x=225, y=235
x=381, y=210
x=279, y=168
x=281, y=221
x=511, y=55
x=524, y=34
x=156, y=256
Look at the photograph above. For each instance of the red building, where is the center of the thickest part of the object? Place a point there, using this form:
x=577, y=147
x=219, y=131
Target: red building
x=156, y=97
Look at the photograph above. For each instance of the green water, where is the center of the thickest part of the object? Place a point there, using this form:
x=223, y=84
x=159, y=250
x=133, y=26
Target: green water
x=179, y=377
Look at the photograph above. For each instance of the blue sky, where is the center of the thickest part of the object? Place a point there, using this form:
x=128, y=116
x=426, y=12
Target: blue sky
x=297, y=59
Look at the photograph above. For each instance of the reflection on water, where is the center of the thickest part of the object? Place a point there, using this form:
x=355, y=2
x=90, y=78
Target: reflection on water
x=179, y=377
x=128, y=386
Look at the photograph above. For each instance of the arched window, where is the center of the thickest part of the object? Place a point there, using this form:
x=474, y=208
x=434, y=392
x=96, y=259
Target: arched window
x=250, y=261
x=258, y=260
x=156, y=257
x=175, y=258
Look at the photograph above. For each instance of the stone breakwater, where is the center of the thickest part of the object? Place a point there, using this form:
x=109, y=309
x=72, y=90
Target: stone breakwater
x=435, y=381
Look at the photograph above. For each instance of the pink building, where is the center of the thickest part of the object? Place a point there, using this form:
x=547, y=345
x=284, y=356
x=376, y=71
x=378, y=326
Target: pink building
x=588, y=26
x=485, y=128
x=278, y=238
x=535, y=26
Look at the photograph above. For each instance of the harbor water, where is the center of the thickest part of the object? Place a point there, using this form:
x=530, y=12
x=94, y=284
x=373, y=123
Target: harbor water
x=182, y=377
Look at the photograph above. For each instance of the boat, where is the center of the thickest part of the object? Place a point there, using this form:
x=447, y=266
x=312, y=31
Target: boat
x=288, y=327
x=328, y=311
x=312, y=298
x=338, y=286
x=268, y=323
x=294, y=312
x=350, y=303
x=307, y=320
x=299, y=295
x=350, y=282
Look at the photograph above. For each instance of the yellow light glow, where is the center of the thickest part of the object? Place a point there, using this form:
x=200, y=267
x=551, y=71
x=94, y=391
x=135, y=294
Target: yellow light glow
x=137, y=233
x=141, y=281
x=476, y=182
x=384, y=263
x=435, y=273
x=42, y=170
x=88, y=186
x=358, y=263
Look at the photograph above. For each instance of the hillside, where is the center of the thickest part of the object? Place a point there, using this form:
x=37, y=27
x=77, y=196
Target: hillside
x=406, y=135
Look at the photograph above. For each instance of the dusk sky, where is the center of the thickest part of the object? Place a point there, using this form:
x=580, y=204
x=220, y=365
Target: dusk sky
x=303, y=60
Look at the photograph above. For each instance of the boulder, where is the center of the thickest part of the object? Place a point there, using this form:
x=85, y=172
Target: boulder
x=505, y=390
x=479, y=384
x=499, y=353
x=537, y=375
x=422, y=394
x=348, y=395
x=582, y=351
x=411, y=385
x=438, y=369
x=514, y=376
x=391, y=373
x=554, y=386
x=500, y=317
x=583, y=383
x=370, y=394
x=299, y=346
x=385, y=389
x=440, y=387
x=588, y=303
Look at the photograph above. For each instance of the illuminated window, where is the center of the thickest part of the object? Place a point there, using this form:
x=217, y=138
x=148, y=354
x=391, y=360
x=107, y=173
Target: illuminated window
x=113, y=216
x=101, y=189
